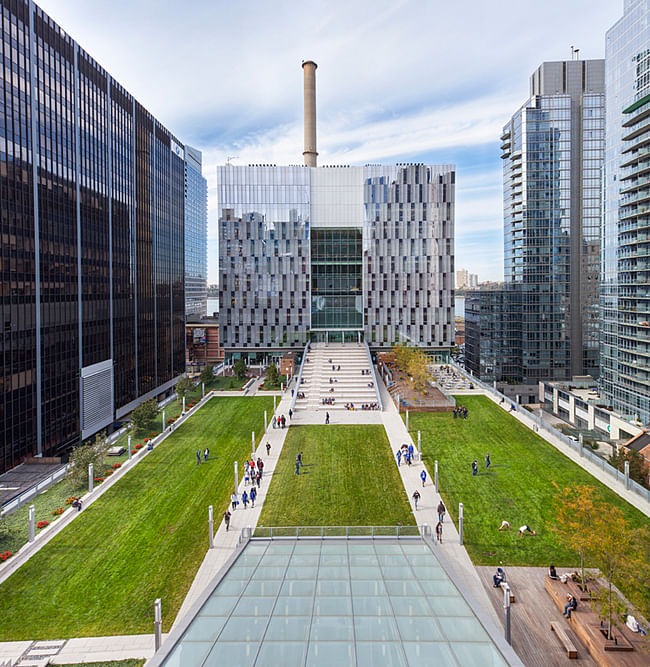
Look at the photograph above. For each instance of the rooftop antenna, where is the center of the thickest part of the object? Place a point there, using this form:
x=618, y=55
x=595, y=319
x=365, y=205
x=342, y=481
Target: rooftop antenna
x=574, y=53
x=231, y=157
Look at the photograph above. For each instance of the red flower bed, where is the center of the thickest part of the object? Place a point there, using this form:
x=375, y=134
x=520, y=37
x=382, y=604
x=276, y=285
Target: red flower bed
x=57, y=511
x=70, y=500
x=108, y=473
x=99, y=480
x=115, y=466
x=4, y=555
x=152, y=434
x=139, y=445
x=171, y=420
x=134, y=451
x=42, y=524
x=177, y=416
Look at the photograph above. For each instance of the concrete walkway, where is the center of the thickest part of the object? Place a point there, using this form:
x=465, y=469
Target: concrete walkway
x=427, y=506
x=225, y=542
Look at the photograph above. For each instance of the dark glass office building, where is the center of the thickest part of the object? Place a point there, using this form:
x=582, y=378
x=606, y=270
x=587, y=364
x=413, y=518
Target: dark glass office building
x=91, y=250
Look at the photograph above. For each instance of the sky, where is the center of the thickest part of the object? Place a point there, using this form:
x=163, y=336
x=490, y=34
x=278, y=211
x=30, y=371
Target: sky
x=397, y=81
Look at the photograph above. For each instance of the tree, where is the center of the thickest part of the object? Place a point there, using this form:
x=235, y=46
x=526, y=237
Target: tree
x=575, y=511
x=639, y=467
x=207, y=374
x=183, y=387
x=83, y=455
x=144, y=413
x=239, y=368
x=272, y=376
x=619, y=552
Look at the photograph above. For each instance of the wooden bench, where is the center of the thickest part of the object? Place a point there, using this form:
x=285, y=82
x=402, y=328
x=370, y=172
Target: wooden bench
x=512, y=595
x=567, y=644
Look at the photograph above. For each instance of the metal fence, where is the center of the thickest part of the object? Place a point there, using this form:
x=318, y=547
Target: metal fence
x=299, y=378
x=347, y=532
x=374, y=377
x=541, y=425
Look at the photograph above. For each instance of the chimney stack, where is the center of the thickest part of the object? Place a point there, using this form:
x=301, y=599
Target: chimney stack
x=310, y=154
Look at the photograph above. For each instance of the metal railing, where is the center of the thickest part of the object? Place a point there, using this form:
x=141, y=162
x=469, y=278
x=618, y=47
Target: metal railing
x=347, y=532
x=578, y=447
x=292, y=406
x=374, y=376
x=27, y=495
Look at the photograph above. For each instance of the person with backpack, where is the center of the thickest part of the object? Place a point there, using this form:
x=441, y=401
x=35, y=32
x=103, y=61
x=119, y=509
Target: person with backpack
x=416, y=498
x=226, y=519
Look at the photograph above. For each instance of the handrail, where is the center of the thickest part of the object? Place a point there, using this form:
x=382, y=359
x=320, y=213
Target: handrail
x=374, y=377
x=337, y=532
x=292, y=405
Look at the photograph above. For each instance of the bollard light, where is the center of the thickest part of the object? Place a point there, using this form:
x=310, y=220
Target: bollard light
x=91, y=478
x=32, y=523
x=211, y=527
x=460, y=523
x=157, y=624
x=436, y=475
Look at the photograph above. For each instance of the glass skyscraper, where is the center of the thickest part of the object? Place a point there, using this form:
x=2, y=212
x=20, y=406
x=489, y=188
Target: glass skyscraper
x=91, y=221
x=625, y=288
x=552, y=151
x=336, y=254
x=196, y=235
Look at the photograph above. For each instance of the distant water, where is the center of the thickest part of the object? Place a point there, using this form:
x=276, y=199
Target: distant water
x=459, y=307
x=213, y=306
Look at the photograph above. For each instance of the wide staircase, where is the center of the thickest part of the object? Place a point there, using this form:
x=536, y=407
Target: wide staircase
x=338, y=372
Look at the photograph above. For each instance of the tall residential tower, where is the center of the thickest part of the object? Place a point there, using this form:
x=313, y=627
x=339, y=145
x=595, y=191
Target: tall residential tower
x=91, y=264
x=552, y=150
x=625, y=290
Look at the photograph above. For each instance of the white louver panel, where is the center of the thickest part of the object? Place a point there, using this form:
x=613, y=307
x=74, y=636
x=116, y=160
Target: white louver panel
x=96, y=397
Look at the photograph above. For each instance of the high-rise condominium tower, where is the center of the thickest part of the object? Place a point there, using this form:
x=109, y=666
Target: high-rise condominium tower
x=552, y=150
x=91, y=222
x=196, y=235
x=625, y=290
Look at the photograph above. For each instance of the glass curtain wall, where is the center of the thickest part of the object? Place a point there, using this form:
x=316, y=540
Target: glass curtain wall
x=336, y=291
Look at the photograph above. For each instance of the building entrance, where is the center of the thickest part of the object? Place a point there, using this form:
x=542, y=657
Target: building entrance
x=336, y=336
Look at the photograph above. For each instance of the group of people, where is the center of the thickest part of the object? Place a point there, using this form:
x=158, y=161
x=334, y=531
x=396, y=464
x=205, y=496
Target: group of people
x=371, y=385
x=523, y=530
x=406, y=452
x=364, y=406
x=461, y=412
x=281, y=421
x=365, y=371
x=253, y=470
x=301, y=394
x=336, y=368
x=332, y=380
x=206, y=453
x=329, y=401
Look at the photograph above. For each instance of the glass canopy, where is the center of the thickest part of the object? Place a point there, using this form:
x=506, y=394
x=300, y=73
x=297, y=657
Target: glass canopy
x=334, y=603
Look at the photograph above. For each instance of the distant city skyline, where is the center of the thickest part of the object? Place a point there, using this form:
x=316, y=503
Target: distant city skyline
x=238, y=92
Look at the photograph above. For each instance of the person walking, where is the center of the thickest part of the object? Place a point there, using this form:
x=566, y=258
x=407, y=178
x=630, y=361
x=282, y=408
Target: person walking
x=411, y=451
x=233, y=501
x=206, y=453
x=416, y=498
x=297, y=466
x=290, y=414
x=399, y=457
x=252, y=496
x=284, y=421
x=198, y=457
x=226, y=519
x=244, y=499
x=258, y=478
x=273, y=421
x=268, y=449
x=247, y=466
x=423, y=476
x=474, y=468
x=327, y=417
x=441, y=512
x=439, y=531
x=260, y=465
x=487, y=460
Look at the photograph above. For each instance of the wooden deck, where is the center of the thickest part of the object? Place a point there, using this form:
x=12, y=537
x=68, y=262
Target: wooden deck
x=531, y=616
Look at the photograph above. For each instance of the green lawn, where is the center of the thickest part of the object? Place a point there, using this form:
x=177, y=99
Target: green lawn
x=519, y=486
x=144, y=538
x=348, y=479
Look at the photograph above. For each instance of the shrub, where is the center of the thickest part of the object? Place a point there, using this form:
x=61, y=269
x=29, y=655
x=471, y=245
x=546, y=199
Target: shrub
x=58, y=511
x=144, y=413
x=70, y=500
x=115, y=466
x=108, y=473
x=4, y=555
x=99, y=480
x=42, y=524
x=139, y=445
x=83, y=456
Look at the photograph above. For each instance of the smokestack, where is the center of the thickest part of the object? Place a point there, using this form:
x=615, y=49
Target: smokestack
x=310, y=154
